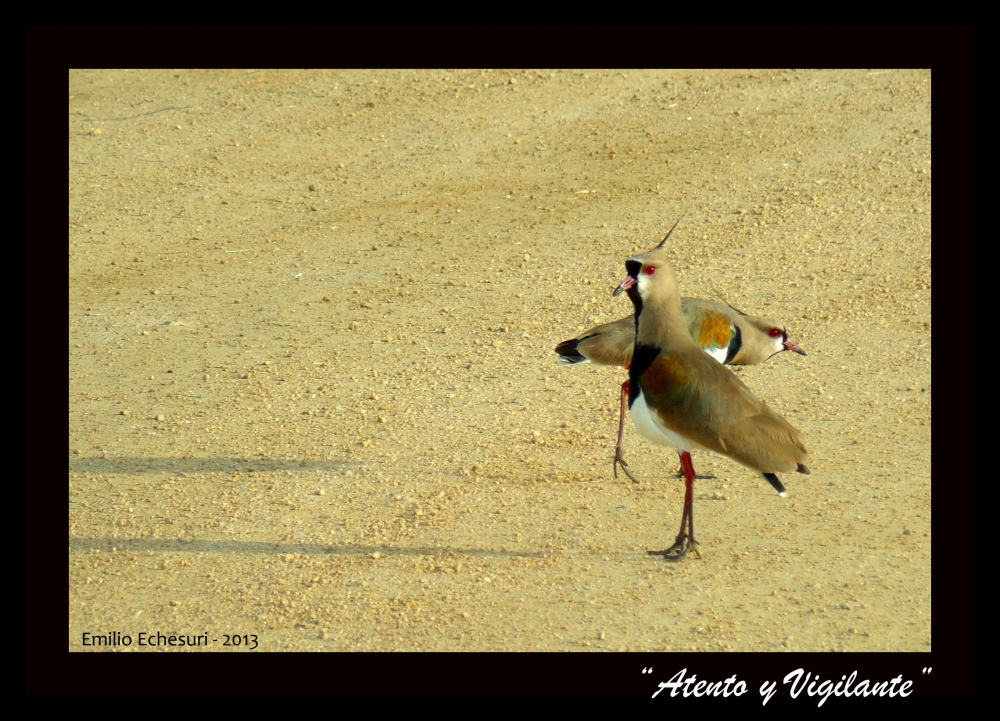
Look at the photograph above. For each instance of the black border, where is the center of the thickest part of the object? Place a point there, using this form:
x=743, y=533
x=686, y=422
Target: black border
x=52, y=51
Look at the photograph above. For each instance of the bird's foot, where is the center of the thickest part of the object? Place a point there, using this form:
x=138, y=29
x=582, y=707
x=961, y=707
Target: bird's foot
x=676, y=552
x=620, y=461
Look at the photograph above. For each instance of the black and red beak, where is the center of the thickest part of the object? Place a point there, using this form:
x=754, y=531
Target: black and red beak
x=624, y=285
x=791, y=346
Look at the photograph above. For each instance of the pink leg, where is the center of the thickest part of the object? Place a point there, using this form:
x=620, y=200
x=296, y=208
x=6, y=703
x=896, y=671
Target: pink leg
x=619, y=458
x=685, y=539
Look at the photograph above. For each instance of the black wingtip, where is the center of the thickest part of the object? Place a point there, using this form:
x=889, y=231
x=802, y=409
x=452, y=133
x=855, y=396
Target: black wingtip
x=568, y=347
x=775, y=483
x=803, y=469
x=568, y=353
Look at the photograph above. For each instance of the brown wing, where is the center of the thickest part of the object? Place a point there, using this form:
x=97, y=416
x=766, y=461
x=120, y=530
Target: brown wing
x=692, y=306
x=609, y=344
x=707, y=322
x=702, y=400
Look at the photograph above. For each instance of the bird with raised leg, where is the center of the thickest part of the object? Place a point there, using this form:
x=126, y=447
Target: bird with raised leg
x=729, y=335
x=681, y=398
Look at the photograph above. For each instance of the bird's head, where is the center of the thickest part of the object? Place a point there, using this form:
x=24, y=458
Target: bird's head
x=649, y=275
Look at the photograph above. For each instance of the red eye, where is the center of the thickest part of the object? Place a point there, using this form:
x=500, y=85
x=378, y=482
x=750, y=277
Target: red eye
x=774, y=333
x=649, y=270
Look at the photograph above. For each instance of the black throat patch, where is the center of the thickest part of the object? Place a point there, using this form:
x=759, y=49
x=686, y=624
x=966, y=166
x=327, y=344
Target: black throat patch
x=633, y=267
x=642, y=358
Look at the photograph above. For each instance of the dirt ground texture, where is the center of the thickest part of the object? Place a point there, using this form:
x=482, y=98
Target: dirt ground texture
x=313, y=393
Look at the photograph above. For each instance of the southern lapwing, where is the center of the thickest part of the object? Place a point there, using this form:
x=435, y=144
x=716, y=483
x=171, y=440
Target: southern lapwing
x=679, y=397
x=729, y=335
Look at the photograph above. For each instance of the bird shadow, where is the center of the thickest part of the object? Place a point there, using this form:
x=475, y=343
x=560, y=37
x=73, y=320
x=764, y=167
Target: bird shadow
x=133, y=466
x=125, y=465
x=178, y=545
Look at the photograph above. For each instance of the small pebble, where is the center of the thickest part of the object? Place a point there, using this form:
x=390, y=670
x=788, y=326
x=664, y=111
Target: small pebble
x=160, y=417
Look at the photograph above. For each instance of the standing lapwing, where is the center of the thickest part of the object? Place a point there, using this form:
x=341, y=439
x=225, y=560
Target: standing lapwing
x=729, y=335
x=679, y=397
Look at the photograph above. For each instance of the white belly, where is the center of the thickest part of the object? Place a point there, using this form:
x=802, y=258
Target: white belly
x=650, y=428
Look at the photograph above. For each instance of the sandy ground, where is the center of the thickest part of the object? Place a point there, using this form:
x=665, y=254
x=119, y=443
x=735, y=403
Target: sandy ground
x=313, y=392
